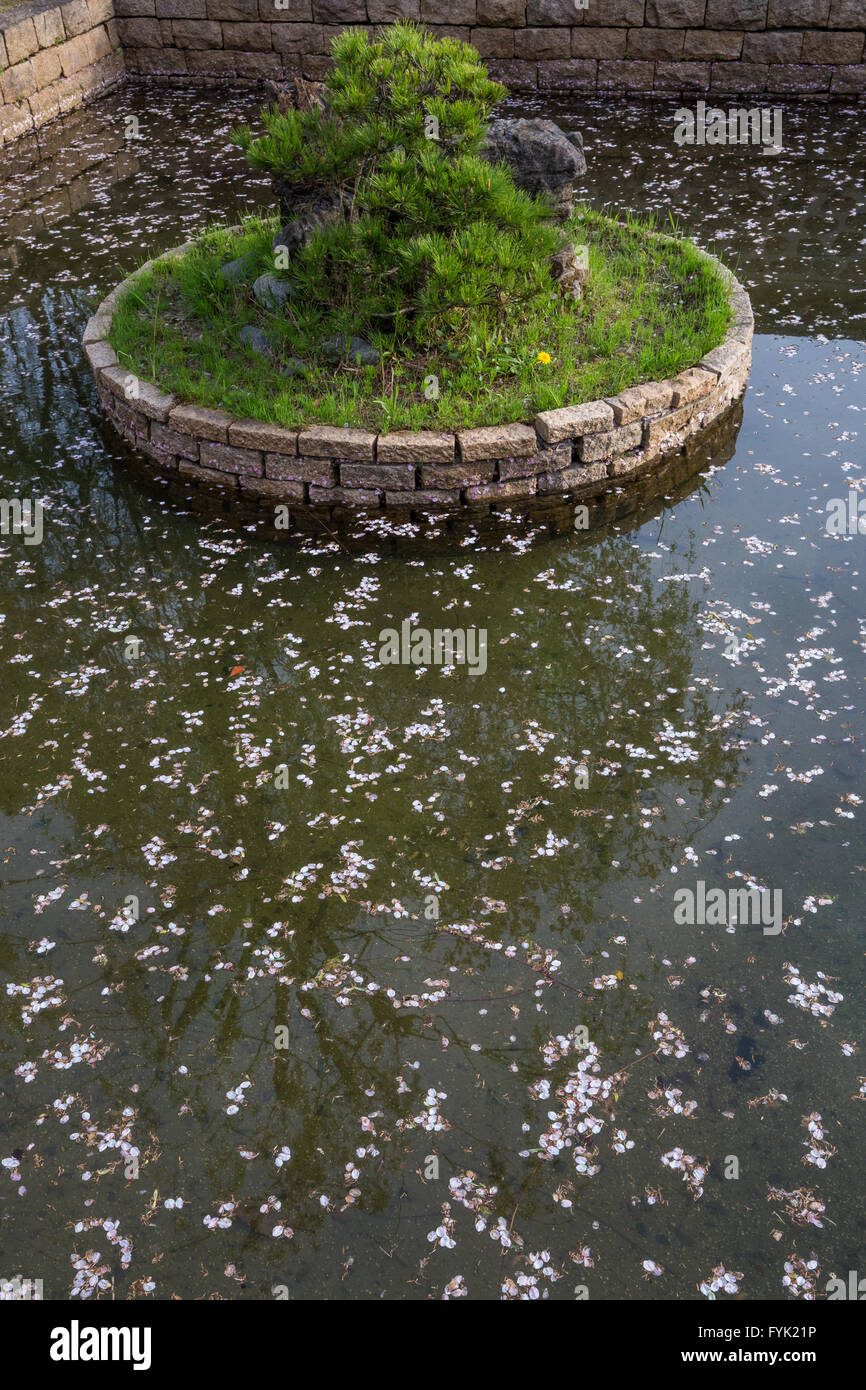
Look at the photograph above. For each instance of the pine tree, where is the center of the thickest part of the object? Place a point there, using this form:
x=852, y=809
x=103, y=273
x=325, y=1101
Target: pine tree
x=437, y=249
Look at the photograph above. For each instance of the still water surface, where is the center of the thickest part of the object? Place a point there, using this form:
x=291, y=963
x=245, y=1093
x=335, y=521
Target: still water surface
x=356, y=995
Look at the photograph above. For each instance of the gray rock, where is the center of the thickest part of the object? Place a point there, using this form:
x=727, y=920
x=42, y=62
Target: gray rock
x=258, y=341
x=542, y=158
x=272, y=292
x=294, y=367
x=236, y=272
x=255, y=339
x=357, y=350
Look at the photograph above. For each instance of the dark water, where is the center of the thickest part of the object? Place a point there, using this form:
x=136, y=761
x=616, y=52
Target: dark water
x=386, y=940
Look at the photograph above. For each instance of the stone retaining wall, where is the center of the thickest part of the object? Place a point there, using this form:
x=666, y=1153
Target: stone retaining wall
x=252, y=468
x=54, y=58
x=811, y=48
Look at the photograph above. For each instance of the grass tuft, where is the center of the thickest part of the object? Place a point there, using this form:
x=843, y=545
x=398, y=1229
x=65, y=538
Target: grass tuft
x=651, y=308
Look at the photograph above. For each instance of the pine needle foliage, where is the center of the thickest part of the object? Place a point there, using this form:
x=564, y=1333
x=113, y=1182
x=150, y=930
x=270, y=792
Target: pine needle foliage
x=440, y=251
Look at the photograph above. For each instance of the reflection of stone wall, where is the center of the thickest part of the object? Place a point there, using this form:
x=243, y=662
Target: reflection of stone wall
x=53, y=58
x=324, y=475
x=813, y=47
x=64, y=174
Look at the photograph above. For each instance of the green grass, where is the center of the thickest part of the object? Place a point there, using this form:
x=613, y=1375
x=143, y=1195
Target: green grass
x=653, y=306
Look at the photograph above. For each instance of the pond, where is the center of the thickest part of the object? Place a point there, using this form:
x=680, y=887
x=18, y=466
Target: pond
x=328, y=978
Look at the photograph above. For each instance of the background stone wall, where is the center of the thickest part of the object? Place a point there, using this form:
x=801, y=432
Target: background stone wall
x=812, y=48
x=53, y=58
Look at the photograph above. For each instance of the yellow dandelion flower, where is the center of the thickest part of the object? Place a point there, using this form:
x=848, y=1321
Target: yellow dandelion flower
x=543, y=357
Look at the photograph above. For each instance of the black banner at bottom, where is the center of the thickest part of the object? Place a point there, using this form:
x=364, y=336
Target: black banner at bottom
x=649, y=1336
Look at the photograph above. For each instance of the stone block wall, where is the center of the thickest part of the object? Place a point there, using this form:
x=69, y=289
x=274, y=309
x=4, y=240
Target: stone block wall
x=54, y=58
x=781, y=48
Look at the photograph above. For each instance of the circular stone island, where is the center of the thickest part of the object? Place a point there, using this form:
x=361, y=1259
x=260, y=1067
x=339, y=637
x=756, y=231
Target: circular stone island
x=572, y=467
x=430, y=334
